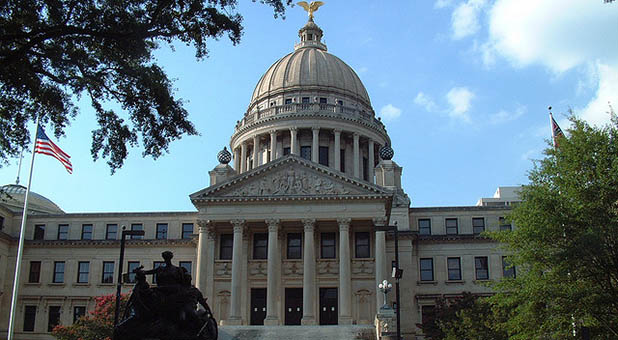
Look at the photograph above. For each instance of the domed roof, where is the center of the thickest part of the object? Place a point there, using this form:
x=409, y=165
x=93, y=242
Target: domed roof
x=310, y=66
x=13, y=196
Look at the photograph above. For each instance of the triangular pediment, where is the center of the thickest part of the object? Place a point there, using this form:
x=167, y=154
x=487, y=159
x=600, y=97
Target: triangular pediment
x=291, y=177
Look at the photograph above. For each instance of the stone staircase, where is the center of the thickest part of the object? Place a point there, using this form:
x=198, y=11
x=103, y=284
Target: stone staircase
x=354, y=332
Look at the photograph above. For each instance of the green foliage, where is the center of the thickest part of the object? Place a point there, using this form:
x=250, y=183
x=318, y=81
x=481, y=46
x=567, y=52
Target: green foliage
x=466, y=317
x=98, y=325
x=54, y=51
x=566, y=241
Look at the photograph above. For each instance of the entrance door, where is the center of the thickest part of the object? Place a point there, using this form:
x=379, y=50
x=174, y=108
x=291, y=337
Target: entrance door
x=328, y=306
x=293, y=306
x=258, y=306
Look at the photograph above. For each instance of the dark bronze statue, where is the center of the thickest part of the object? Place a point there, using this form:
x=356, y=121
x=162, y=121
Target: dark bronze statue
x=169, y=311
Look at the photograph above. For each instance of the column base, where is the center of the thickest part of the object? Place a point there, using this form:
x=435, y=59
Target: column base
x=308, y=321
x=272, y=321
x=232, y=322
x=344, y=320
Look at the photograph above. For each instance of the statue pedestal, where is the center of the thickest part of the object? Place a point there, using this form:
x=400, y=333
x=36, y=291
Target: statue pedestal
x=385, y=323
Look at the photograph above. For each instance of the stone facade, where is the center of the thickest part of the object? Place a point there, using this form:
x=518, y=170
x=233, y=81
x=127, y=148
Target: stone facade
x=285, y=236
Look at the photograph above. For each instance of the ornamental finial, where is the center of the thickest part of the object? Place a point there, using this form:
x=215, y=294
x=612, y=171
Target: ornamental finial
x=310, y=7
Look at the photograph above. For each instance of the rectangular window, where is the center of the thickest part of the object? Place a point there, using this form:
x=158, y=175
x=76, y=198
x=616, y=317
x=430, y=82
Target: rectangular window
x=186, y=265
x=108, y=272
x=504, y=225
x=286, y=151
x=58, y=272
x=132, y=265
x=323, y=155
x=155, y=265
x=424, y=226
x=54, y=317
x=63, y=231
x=426, y=269
x=365, y=169
x=78, y=312
x=481, y=268
x=35, y=272
x=451, y=226
x=295, y=241
x=305, y=100
x=29, y=318
x=305, y=152
x=187, y=230
x=288, y=100
x=340, y=102
x=39, y=231
x=361, y=245
x=328, y=246
x=342, y=159
x=83, y=269
x=137, y=226
x=1, y=222
x=86, y=231
x=454, y=268
x=226, y=246
x=260, y=246
x=427, y=313
x=111, y=232
x=161, y=231
x=323, y=100
x=478, y=225
x=508, y=270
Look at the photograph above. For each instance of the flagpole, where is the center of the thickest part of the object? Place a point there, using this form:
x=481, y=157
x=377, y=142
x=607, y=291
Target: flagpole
x=21, y=242
x=551, y=126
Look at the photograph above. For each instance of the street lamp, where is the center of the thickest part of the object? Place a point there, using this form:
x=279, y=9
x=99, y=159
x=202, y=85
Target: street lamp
x=119, y=284
x=397, y=272
x=385, y=287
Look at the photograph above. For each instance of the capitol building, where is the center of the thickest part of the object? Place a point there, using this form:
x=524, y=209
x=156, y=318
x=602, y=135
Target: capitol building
x=287, y=233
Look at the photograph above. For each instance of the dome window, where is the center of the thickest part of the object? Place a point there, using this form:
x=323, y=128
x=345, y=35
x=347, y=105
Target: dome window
x=288, y=100
x=305, y=100
x=323, y=100
x=340, y=102
x=309, y=36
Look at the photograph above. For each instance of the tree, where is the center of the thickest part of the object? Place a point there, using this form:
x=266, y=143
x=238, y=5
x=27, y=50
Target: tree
x=98, y=325
x=566, y=241
x=54, y=51
x=466, y=317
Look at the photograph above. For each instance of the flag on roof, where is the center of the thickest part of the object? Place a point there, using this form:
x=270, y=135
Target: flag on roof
x=46, y=147
x=556, y=131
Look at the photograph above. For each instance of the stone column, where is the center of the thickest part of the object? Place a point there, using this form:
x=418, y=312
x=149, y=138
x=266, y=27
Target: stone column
x=272, y=290
x=309, y=274
x=293, y=141
x=380, y=259
x=371, y=161
x=256, y=150
x=235, y=317
x=345, y=273
x=356, y=155
x=273, y=145
x=243, y=157
x=337, y=150
x=237, y=160
x=315, y=145
x=205, y=254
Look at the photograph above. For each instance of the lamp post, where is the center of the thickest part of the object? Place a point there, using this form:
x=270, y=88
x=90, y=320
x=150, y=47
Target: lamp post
x=119, y=284
x=385, y=287
x=397, y=273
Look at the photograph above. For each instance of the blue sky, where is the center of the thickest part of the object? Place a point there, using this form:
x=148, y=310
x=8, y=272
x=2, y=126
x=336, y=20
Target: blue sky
x=462, y=86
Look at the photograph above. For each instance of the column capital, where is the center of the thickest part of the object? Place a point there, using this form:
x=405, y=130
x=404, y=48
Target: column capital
x=336, y=131
x=344, y=223
x=356, y=135
x=309, y=224
x=294, y=128
x=272, y=132
x=239, y=225
x=207, y=227
x=273, y=224
x=315, y=128
x=379, y=221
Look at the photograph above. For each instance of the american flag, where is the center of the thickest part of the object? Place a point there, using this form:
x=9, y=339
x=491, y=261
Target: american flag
x=556, y=131
x=46, y=147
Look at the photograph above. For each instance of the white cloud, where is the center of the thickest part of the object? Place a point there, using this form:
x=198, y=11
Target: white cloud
x=561, y=35
x=596, y=111
x=459, y=99
x=390, y=112
x=425, y=101
x=465, y=18
x=504, y=116
x=442, y=3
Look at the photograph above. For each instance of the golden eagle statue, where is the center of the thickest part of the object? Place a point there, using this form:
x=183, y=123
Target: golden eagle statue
x=310, y=7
